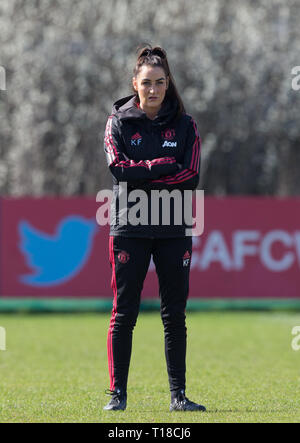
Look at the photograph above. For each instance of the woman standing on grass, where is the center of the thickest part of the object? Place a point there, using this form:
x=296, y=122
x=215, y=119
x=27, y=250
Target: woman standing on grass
x=150, y=144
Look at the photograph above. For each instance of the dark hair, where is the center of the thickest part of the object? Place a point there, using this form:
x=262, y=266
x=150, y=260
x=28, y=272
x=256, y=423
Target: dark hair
x=147, y=55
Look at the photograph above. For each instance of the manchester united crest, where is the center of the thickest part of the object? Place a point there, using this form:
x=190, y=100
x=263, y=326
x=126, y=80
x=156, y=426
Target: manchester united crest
x=168, y=134
x=123, y=257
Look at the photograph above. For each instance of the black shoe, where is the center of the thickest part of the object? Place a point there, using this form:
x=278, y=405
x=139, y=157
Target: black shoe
x=117, y=402
x=181, y=403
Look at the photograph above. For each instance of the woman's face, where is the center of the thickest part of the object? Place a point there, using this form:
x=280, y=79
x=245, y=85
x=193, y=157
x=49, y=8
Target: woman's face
x=151, y=84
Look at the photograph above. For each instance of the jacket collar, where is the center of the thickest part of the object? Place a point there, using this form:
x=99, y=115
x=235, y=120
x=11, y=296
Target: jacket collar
x=127, y=108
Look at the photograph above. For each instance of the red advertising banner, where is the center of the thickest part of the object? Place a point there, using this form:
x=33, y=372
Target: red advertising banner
x=53, y=247
x=250, y=248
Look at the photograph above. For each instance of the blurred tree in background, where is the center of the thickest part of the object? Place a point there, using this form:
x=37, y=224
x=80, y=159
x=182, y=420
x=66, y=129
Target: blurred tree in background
x=67, y=62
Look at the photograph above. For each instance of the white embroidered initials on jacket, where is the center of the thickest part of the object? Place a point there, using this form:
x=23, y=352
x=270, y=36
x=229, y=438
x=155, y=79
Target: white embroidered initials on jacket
x=136, y=139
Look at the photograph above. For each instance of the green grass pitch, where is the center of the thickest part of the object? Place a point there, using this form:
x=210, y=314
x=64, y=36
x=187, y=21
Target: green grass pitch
x=241, y=366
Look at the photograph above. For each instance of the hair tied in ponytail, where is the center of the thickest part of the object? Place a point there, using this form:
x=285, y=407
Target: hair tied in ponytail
x=153, y=51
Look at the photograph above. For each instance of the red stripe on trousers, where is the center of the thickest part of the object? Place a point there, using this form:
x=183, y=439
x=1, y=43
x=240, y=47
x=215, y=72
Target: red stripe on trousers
x=113, y=316
x=108, y=335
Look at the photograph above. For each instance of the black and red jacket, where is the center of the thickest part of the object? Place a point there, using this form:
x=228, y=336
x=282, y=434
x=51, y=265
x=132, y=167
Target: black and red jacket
x=163, y=153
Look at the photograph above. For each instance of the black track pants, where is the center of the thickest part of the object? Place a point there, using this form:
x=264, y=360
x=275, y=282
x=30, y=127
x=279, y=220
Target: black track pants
x=130, y=259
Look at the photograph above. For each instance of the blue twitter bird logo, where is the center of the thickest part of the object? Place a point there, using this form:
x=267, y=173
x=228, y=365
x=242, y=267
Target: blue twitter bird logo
x=56, y=258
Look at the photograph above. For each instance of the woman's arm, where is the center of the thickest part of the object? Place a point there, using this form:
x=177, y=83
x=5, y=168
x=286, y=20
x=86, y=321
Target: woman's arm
x=187, y=176
x=127, y=170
